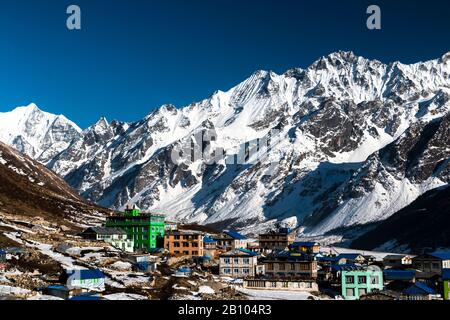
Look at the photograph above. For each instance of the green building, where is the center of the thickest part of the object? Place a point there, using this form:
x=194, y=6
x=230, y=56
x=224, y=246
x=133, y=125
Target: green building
x=146, y=230
x=356, y=283
x=446, y=283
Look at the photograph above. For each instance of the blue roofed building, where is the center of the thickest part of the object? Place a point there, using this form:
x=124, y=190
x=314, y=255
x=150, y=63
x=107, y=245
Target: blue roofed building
x=209, y=247
x=432, y=263
x=399, y=275
x=230, y=240
x=84, y=280
x=419, y=291
x=240, y=263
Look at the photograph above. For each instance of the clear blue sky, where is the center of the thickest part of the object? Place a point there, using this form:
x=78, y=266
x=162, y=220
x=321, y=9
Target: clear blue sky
x=134, y=55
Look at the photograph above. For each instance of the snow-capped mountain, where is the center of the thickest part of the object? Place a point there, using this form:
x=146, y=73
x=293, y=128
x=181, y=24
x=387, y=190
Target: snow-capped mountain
x=356, y=140
x=38, y=134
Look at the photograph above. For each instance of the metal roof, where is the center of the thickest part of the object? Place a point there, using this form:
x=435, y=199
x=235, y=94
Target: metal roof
x=107, y=231
x=441, y=255
x=419, y=288
x=209, y=240
x=85, y=274
x=304, y=244
x=445, y=274
x=350, y=256
x=235, y=235
x=406, y=275
x=239, y=252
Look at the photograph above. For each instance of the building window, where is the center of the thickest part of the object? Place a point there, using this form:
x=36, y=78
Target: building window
x=236, y=271
x=350, y=292
x=270, y=266
x=349, y=279
x=236, y=260
x=185, y=244
x=227, y=271
x=176, y=244
x=246, y=261
x=435, y=266
x=226, y=260
x=176, y=237
x=362, y=280
x=195, y=253
x=186, y=253
x=292, y=266
x=282, y=266
x=273, y=284
x=362, y=292
x=246, y=271
x=374, y=280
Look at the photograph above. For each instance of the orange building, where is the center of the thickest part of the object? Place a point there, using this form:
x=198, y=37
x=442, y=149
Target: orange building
x=184, y=243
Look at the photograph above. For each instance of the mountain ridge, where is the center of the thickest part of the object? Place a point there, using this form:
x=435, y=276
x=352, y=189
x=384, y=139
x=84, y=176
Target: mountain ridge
x=337, y=120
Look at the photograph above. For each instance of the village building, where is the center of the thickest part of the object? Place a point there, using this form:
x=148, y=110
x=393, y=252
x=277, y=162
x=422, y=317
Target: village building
x=369, y=259
x=432, y=263
x=184, y=243
x=146, y=230
x=84, y=280
x=331, y=260
x=281, y=284
x=397, y=260
x=116, y=237
x=143, y=262
x=352, y=258
x=399, y=275
x=398, y=280
x=240, y=263
x=2, y=255
x=230, y=240
x=253, y=245
x=276, y=240
x=357, y=283
x=171, y=226
x=288, y=264
x=307, y=247
x=419, y=291
x=210, y=247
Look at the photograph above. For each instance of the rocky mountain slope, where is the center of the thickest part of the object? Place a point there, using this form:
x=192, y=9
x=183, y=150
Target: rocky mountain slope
x=28, y=190
x=423, y=225
x=351, y=140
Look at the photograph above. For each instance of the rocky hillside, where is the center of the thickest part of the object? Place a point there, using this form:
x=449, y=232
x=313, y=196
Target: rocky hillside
x=423, y=225
x=351, y=141
x=28, y=190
